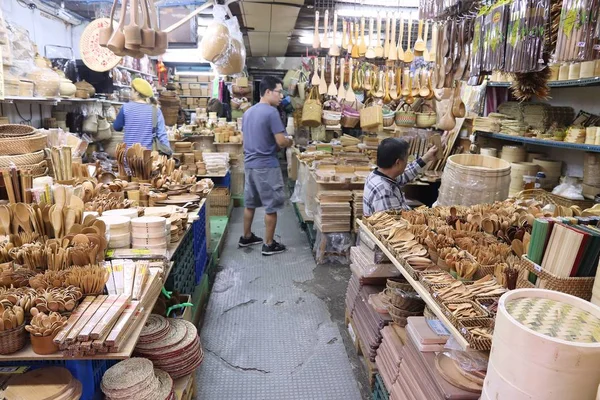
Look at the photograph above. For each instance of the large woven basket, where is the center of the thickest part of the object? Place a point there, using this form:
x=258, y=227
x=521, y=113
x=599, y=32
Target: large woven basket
x=549, y=198
x=22, y=159
x=13, y=340
x=22, y=144
x=577, y=286
x=38, y=169
x=14, y=130
x=219, y=196
x=404, y=303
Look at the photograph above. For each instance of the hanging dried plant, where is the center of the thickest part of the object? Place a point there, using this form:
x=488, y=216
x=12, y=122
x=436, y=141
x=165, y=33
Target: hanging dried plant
x=529, y=84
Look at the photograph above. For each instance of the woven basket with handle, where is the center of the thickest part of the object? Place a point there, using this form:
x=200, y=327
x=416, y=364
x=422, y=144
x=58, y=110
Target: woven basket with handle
x=22, y=159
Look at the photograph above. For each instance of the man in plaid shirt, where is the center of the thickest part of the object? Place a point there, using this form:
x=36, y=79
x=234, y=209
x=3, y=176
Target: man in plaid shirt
x=383, y=187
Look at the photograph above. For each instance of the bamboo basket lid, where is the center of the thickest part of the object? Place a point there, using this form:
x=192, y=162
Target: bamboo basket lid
x=123, y=212
x=148, y=222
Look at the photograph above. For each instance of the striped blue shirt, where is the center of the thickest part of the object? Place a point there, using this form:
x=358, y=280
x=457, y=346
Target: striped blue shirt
x=136, y=118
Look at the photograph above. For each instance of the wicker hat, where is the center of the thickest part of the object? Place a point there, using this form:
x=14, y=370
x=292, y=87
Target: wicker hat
x=142, y=87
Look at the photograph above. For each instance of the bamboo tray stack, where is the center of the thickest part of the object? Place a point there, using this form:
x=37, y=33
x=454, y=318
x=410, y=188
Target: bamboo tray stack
x=150, y=232
x=357, y=207
x=119, y=230
x=334, y=211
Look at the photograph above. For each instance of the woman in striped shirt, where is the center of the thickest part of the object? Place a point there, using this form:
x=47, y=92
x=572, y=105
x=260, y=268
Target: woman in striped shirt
x=136, y=117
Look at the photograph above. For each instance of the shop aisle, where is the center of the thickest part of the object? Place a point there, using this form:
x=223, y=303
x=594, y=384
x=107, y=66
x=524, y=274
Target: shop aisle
x=265, y=334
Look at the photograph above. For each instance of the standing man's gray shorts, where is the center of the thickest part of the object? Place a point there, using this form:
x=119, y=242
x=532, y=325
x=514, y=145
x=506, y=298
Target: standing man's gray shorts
x=264, y=188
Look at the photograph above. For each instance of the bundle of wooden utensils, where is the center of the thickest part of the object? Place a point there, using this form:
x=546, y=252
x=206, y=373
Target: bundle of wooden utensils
x=18, y=183
x=62, y=159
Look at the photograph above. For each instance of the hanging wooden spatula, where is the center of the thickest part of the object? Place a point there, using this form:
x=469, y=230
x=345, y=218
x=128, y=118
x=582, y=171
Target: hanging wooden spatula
x=408, y=54
x=370, y=53
x=344, y=34
x=332, y=90
x=378, y=47
x=400, y=48
x=355, y=52
x=426, y=56
x=420, y=43
x=362, y=45
x=316, y=42
x=393, y=86
x=325, y=41
x=434, y=43
x=315, y=78
x=386, y=43
x=350, y=96
x=342, y=90
x=323, y=83
x=392, y=51
x=334, y=50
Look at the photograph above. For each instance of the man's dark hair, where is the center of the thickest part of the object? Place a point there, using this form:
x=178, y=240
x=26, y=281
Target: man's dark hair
x=270, y=83
x=390, y=150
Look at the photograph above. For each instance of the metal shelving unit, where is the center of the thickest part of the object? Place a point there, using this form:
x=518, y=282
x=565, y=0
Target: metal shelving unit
x=558, y=84
x=541, y=142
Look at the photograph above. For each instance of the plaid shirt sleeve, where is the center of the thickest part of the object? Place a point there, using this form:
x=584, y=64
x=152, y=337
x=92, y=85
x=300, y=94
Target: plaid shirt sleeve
x=378, y=196
x=410, y=173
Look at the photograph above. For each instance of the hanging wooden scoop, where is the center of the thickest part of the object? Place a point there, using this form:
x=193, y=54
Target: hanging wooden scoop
x=447, y=122
x=105, y=33
x=161, y=40
x=426, y=51
x=392, y=52
x=424, y=90
x=362, y=46
x=344, y=34
x=334, y=50
x=420, y=43
x=325, y=41
x=408, y=54
x=116, y=44
x=332, y=90
x=387, y=98
x=323, y=83
x=133, y=32
x=434, y=42
x=409, y=98
x=370, y=54
x=355, y=53
x=315, y=78
x=386, y=45
x=341, y=90
x=316, y=42
x=379, y=50
x=393, y=86
x=148, y=34
x=400, y=48
x=405, y=83
x=458, y=107
x=350, y=96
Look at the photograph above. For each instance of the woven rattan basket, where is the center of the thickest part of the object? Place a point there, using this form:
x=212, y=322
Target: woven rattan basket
x=219, y=196
x=476, y=343
x=408, y=304
x=22, y=159
x=481, y=312
x=38, y=169
x=580, y=287
x=13, y=340
x=549, y=198
x=400, y=316
x=399, y=283
x=22, y=144
x=14, y=130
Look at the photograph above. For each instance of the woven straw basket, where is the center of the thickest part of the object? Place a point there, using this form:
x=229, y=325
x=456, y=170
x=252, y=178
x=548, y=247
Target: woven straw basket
x=14, y=130
x=13, y=340
x=22, y=159
x=22, y=144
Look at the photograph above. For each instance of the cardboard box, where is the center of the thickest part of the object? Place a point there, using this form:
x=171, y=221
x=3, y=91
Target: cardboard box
x=185, y=85
x=202, y=102
x=195, y=86
x=206, y=91
x=190, y=101
x=204, y=78
x=196, y=92
x=188, y=79
x=186, y=92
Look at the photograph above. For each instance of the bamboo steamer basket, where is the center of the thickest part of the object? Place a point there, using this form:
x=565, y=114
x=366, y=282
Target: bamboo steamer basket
x=513, y=154
x=543, y=347
x=591, y=169
x=551, y=168
x=489, y=151
x=574, y=71
x=517, y=170
x=531, y=156
x=474, y=179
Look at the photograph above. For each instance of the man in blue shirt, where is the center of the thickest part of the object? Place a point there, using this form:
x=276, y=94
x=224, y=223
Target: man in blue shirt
x=264, y=134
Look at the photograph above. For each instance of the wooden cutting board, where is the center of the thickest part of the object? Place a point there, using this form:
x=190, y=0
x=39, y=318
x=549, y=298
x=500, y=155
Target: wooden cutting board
x=41, y=384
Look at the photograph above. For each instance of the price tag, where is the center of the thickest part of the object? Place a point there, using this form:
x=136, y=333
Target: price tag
x=141, y=252
x=438, y=327
x=596, y=47
x=538, y=268
x=580, y=44
x=351, y=332
x=110, y=253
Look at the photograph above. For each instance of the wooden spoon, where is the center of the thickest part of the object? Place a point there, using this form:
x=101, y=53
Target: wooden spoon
x=379, y=50
x=334, y=50
x=387, y=98
x=316, y=42
x=325, y=41
x=410, y=99
x=315, y=78
x=57, y=221
x=458, y=107
x=393, y=86
x=362, y=46
x=350, y=96
x=426, y=56
x=408, y=54
x=23, y=215
x=392, y=51
x=370, y=54
x=517, y=247
x=424, y=90
x=354, y=53
x=341, y=93
x=344, y=34
x=420, y=43
x=323, y=83
x=332, y=90
x=400, y=44
x=386, y=46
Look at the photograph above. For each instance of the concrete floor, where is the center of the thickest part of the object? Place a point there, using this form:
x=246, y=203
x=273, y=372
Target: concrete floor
x=274, y=326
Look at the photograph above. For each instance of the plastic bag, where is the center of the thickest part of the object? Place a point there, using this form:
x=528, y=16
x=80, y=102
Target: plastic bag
x=472, y=361
x=570, y=188
x=333, y=248
x=216, y=39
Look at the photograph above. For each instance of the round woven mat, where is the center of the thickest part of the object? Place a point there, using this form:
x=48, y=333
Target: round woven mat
x=175, y=335
x=166, y=385
x=179, y=359
x=555, y=319
x=142, y=390
x=156, y=328
x=96, y=58
x=127, y=374
x=191, y=334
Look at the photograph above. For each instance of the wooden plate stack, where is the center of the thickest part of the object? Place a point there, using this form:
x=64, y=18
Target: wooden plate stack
x=43, y=384
x=150, y=232
x=177, y=351
x=119, y=231
x=122, y=212
x=136, y=378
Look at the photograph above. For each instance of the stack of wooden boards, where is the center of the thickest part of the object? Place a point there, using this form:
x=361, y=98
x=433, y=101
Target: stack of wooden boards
x=565, y=250
x=357, y=207
x=349, y=143
x=334, y=211
x=103, y=324
x=171, y=344
x=136, y=378
x=48, y=383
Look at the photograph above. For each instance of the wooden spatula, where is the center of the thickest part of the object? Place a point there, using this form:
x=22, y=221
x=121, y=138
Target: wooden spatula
x=400, y=48
x=344, y=34
x=379, y=51
x=386, y=45
x=362, y=46
x=426, y=56
x=341, y=94
x=316, y=42
x=325, y=41
x=323, y=83
x=334, y=50
x=315, y=78
x=392, y=51
x=420, y=43
x=408, y=54
x=370, y=53
x=332, y=90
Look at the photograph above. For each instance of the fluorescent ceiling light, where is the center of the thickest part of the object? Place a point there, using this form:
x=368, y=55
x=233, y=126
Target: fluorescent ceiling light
x=372, y=12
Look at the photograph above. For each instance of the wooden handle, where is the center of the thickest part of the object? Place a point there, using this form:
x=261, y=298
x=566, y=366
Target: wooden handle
x=409, y=33
x=426, y=32
x=342, y=70
x=393, y=54
x=325, y=41
x=334, y=26
x=134, y=13
x=371, y=23
x=434, y=41
x=362, y=29
x=378, y=29
x=344, y=37
x=332, y=70
x=387, y=35
x=400, y=44
x=316, y=40
x=420, y=32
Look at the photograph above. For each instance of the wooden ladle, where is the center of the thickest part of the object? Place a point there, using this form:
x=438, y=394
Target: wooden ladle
x=370, y=53
x=362, y=46
x=458, y=106
x=116, y=44
x=133, y=32
x=334, y=50
x=148, y=34
x=400, y=49
x=350, y=96
x=392, y=52
x=409, y=56
x=106, y=32
x=161, y=40
x=420, y=43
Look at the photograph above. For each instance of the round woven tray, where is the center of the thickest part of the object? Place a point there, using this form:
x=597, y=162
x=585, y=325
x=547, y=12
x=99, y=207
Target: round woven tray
x=15, y=130
x=22, y=144
x=22, y=159
x=13, y=340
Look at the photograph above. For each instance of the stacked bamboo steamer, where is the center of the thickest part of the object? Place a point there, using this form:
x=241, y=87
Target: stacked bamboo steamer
x=517, y=171
x=513, y=154
x=150, y=232
x=532, y=155
x=552, y=169
x=591, y=175
x=118, y=228
x=474, y=179
x=545, y=347
x=169, y=103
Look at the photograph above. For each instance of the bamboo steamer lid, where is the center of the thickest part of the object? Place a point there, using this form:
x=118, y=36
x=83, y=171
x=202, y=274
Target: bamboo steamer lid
x=552, y=168
x=124, y=212
x=587, y=69
x=518, y=170
x=489, y=151
x=215, y=42
x=546, y=346
x=513, y=154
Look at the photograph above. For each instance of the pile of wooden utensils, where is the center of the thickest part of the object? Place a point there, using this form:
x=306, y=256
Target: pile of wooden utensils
x=46, y=325
x=139, y=161
x=62, y=160
x=18, y=183
x=31, y=300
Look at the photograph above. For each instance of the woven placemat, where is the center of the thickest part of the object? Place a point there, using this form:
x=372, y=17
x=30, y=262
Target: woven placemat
x=155, y=328
x=127, y=374
x=555, y=319
x=176, y=334
x=191, y=334
x=166, y=385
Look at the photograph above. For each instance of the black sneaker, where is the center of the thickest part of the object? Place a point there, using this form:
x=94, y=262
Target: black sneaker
x=274, y=248
x=251, y=241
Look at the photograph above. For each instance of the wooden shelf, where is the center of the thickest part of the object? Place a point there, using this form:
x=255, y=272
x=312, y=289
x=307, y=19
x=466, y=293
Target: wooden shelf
x=433, y=306
x=541, y=142
x=135, y=71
